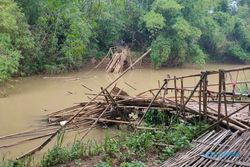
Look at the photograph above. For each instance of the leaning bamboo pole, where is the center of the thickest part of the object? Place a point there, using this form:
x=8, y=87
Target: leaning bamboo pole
x=99, y=117
x=139, y=123
x=74, y=116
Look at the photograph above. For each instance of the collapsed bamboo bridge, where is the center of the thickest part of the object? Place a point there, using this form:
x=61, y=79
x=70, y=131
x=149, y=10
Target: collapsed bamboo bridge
x=222, y=148
x=224, y=104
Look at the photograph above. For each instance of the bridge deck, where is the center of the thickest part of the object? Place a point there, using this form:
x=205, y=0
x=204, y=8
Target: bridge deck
x=216, y=149
x=243, y=115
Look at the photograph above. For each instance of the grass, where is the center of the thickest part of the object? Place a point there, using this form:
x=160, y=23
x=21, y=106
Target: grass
x=127, y=149
x=242, y=88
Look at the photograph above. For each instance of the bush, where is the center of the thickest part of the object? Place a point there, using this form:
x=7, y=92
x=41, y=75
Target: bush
x=155, y=117
x=56, y=155
x=16, y=42
x=161, y=48
x=132, y=164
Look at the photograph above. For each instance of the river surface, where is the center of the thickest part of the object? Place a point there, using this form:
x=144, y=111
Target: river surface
x=24, y=102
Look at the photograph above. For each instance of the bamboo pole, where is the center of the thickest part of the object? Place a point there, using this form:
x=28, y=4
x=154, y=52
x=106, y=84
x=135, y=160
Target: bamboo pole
x=90, y=128
x=73, y=117
x=27, y=133
x=217, y=84
x=104, y=58
x=165, y=90
x=146, y=111
x=183, y=77
x=216, y=123
x=112, y=99
x=192, y=93
x=214, y=112
x=219, y=97
x=26, y=140
x=175, y=93
x=113, y=121
x=159, y=85
x=211, y=72
x=130, y=86
x=224, y=95
x=105, y=95
x=182, y=98
x=86, y=87
x=205, y=82
x=238, y=69
x=190, y=96
x=200, y=94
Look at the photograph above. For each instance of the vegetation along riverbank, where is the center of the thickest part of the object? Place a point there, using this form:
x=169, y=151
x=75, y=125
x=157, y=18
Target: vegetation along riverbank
x=60, y=36
x=128, y=148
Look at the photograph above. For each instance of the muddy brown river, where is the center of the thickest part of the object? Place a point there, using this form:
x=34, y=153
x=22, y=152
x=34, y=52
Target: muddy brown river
x=25, y=102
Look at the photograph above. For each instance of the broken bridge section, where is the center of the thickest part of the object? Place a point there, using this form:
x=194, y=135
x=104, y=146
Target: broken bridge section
x=224, y=104
x=222, y=148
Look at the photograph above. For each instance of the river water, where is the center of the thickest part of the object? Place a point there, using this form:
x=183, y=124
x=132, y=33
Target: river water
x=24, y=102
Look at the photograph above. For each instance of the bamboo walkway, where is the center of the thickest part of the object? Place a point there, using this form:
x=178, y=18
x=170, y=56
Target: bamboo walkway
x=217, y=149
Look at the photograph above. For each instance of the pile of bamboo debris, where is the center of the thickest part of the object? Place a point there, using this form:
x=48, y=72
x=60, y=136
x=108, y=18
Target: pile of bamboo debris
x=217, y=149
x=120, y=60
x=115, y=106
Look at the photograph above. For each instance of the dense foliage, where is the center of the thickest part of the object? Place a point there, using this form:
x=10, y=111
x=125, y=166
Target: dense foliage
x=54, y=36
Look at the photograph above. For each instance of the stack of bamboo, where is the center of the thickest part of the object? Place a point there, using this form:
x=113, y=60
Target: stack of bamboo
x=118, y=108
x=119, y=60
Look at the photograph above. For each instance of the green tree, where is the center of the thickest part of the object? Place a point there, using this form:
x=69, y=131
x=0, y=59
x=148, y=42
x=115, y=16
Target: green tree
x=16, y=42
x=177, y=35
x=62, y=33
x=161, y=49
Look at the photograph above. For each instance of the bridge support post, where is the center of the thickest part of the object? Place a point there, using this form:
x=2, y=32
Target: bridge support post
x=219, y=96
x=200, y=101
x=204, y=94
x=165, y=88
x=182, y=97
x=224, y=93
x=176, y=94
x=221, y=92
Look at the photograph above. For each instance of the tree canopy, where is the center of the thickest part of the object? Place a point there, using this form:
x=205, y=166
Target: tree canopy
x=55, y=36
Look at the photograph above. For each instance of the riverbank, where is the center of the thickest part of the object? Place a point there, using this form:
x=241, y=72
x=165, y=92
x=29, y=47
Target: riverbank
x=127, y=148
